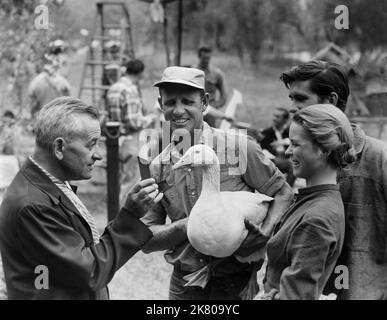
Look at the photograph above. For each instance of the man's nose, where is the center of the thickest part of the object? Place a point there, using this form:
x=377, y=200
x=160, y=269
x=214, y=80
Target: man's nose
x=288, y=151
x=178, y=109
x=295, y=107
x=97, y=154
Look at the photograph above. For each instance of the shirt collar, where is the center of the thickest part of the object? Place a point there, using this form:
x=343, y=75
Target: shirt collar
x=318, y=188
x=49, y=175
x=171, y=152
x=126, y=81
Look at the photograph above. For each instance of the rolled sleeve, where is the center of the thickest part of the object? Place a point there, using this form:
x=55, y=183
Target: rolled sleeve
x=261, y=173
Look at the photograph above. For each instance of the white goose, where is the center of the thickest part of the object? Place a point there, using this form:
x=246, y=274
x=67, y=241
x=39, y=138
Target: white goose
x=216, y=223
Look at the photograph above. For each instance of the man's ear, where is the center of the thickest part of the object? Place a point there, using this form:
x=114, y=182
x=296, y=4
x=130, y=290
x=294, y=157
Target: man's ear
x=58, y=148
x=333, y=98
x=206, y=101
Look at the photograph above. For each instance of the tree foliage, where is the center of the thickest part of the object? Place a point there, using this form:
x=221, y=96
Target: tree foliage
x=23, y=46
x=246, y=25
x=367, y=23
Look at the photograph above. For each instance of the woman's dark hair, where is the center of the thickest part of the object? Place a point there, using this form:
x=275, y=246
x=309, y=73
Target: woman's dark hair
x=330, y=131
x=324, y=77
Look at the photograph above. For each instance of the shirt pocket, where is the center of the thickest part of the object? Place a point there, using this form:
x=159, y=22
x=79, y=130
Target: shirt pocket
x=172, y=204
x=229, y=181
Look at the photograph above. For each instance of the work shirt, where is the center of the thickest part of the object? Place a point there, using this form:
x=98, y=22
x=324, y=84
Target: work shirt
x=363, y=186
x=125, y=105
x=306, y=243
x=252, y=171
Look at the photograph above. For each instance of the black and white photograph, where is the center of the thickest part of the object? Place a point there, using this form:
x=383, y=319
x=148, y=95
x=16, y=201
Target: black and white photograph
x=216, y=151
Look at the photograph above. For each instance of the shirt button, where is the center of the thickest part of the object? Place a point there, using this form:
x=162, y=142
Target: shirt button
x=189, y=170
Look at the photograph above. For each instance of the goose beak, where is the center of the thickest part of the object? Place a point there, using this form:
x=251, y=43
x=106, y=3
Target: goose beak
x=181, y=163
x=265, y=198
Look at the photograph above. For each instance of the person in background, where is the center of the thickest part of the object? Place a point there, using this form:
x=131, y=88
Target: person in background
x=275, y=141
x=214, y=84
x=306, y=243
x=7, y=133
x=60, y=49
x=276, y=138
x=47, y=85
x=125, y=105
x=363, y=185
x=114, y=69
x=49, y=242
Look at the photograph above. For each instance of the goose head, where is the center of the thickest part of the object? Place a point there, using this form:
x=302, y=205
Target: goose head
x=199, y=155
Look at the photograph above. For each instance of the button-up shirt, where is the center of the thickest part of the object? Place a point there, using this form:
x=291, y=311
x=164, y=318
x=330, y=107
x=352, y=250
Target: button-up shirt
x=125, y=105
x=253, y=171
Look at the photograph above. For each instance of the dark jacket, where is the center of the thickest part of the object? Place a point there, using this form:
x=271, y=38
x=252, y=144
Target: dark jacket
x=39, y=226
x=270, y=137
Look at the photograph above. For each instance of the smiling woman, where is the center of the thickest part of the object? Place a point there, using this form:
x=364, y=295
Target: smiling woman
x=308, y=240
x=321, y=141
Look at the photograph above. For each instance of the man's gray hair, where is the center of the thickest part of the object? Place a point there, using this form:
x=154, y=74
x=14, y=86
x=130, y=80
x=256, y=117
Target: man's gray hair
x=56, y=119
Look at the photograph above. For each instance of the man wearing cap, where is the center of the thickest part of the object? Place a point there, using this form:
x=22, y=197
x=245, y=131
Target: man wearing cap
x=196, y=276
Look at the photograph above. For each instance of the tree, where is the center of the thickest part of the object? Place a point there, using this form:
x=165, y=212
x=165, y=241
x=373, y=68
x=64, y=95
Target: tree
x=23, y=46
x=367, y=22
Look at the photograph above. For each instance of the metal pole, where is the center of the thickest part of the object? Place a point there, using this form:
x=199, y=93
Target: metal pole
x=113, y=168
x=179, y=32
x=165, y=34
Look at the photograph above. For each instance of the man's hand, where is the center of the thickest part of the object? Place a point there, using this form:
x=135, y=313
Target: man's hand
x=272, y=295
x=254, y=241
x=142, y=196
x=255, y=234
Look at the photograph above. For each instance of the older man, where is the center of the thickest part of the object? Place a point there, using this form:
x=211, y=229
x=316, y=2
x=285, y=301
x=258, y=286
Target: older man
x=196, y=276
x=49, y=242
x=363, y=185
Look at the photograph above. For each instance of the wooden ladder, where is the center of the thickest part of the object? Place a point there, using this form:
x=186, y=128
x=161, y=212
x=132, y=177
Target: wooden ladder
x=97, y=58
